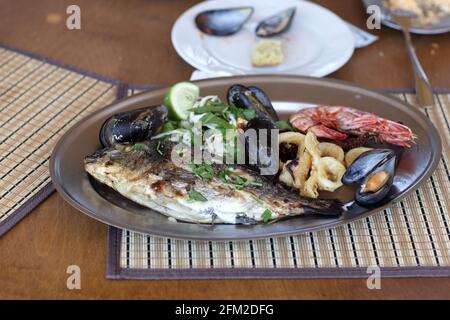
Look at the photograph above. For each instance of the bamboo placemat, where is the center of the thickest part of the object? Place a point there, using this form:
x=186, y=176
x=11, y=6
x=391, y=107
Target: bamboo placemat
x=39, y=101
x=412, y=238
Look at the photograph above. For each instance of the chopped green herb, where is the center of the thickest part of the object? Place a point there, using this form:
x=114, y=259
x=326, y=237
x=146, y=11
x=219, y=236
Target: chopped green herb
x=169, y=126
x=224, y=176
x=256, y=184
x=196, y=196
x=240, y=180
x=210, y=108
x=158, y=148
x=203, y=171
x=266, y=215
x=284, y=125
x=256, y=199
x=214, y=120
x=139, y=147
x=248, y=114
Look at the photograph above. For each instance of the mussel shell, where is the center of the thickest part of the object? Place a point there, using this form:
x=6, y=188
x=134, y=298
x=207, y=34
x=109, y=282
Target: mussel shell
x=223, y=22
x=132, y=126
x=370, y=198
x=265, y=101
x=260, y=123
x=246, y=98
x=365, y=164
x=261, y=156
x=236, y=98
x=276, y=24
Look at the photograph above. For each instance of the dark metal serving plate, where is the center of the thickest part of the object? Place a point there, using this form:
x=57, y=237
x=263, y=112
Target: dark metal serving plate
x=442, y=26
x=73, y=183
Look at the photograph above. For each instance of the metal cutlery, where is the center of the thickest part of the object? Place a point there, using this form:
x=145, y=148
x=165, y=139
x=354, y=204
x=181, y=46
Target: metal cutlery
x=423, y=88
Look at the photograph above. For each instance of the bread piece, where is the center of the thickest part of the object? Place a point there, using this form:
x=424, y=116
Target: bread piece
x=267, y=53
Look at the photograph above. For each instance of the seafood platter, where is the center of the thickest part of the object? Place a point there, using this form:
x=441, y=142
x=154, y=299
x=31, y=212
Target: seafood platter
x=242, y=157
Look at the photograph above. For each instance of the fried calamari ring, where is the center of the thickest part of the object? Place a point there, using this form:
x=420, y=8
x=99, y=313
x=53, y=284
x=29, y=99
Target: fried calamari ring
x=286, y=176
x=312, y=145
x=295, y=172
x=329, y=173
x=301, y=171
x=328, y=149
x=293, y=138
x=354, y=153
x=310, y=189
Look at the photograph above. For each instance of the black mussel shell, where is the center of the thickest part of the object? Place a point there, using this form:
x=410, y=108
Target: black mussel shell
x=275, y=24
x=235, y=96
x=258, y=149
x=260, y=123
x=265, y=101
x=370, y=198
x=246, y=98
x=132, y=126
x=365, y=164
x=223, y=22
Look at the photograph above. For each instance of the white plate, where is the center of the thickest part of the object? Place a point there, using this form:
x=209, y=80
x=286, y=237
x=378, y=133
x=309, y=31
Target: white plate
x=317, y=43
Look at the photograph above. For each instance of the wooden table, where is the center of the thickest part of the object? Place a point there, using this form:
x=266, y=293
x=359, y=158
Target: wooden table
x=130, y=40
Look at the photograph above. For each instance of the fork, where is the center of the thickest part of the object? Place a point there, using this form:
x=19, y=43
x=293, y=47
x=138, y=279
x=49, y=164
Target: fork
x=422, y=84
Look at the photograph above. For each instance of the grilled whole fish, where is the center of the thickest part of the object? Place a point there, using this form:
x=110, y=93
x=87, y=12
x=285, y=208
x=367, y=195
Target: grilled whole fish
x=148, y=177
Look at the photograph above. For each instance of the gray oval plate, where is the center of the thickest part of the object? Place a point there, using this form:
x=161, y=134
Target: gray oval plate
x=442, y=26
x=104, y=204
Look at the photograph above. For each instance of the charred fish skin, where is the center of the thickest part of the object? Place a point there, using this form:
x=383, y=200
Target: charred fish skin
x=149, y=178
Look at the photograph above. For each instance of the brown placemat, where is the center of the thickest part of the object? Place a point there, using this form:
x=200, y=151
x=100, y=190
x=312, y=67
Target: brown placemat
x=412, y=238
x=39, y=101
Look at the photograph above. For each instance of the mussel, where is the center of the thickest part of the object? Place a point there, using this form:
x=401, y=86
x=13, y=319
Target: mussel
x=223, y=22
x=276, y=24
x=260, y=153
x=373, y=172
x=252, y=98
x=132, y=126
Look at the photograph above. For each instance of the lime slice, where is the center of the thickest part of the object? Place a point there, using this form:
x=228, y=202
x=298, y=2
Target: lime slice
x=180, y=98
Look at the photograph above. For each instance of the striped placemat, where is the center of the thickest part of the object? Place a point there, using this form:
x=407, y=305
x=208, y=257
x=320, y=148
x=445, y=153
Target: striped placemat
x=39, y=101
x=412, y=238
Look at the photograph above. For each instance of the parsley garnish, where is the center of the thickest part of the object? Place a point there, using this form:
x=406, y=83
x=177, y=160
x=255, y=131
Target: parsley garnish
x=226, y=176
x=139, y=147
x=240, y=180
x=266, y=215
x=284, y=125
x=210, y=107
x=256, y=199
x=169, y=126
x=248, y=114
x=158, y=148
x=203, y=171
x=196, y=196
x=256, y=184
